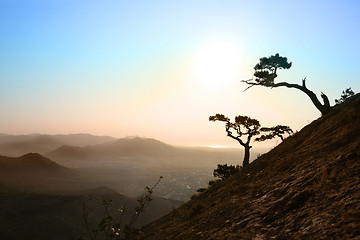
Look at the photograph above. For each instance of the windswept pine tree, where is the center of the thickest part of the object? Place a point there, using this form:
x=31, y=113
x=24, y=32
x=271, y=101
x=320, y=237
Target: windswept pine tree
x=266, y=73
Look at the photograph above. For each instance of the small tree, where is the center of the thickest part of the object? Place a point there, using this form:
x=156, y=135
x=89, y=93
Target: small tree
x=270, y=133
x=266, y=72
x=345, y=95
x=243, y=126
x=225, y=171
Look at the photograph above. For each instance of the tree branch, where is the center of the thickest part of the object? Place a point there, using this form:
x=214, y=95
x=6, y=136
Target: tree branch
x=323, y=108
x=229, y=133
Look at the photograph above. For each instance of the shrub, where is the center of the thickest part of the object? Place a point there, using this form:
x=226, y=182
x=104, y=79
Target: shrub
x=225, y=171
x=345, y=95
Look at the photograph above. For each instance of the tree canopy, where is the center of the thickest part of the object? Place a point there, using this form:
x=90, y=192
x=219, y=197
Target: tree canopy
x=266, y=72
x=266, y=69
x=277, y=131
x=242, y=130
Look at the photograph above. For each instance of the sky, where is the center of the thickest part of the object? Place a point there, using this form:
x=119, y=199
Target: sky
x=159, y=69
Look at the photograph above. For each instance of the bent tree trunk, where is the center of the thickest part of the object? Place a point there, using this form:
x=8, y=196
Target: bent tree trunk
x=323, y=108
x=246, y=155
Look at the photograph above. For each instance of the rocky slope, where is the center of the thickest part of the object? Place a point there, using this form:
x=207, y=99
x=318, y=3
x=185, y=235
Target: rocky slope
x=308, y=187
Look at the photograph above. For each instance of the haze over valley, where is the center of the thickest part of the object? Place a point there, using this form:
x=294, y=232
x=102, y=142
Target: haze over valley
x=127, y=165
x=63, y=172
x=199, y=118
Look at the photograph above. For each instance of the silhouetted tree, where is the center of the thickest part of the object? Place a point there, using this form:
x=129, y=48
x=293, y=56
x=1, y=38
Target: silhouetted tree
x=277, y=131
x=266, y=72
x=243, y=126
x=345, y=95
x=225, y=171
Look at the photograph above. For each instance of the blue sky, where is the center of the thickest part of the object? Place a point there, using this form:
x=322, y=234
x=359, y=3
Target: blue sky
x=125, y=67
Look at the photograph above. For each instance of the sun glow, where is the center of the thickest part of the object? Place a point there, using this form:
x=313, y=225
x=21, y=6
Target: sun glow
x=216, y=64
x=218, y=146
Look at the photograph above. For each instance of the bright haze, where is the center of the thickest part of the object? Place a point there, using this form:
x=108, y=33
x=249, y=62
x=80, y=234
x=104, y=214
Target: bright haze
x=159, y=69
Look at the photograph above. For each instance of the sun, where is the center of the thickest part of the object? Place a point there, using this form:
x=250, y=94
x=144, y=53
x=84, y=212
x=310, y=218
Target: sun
x=216, y=64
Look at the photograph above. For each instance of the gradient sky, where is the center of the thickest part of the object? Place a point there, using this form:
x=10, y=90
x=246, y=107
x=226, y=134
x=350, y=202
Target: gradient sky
x=160, y=68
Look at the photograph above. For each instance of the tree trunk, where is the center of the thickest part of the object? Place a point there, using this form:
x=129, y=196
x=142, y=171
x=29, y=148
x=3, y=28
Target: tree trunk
x=246, y=156
x=323, y=108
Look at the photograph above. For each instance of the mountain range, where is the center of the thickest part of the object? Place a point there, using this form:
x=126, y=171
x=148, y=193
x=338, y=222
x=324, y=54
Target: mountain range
x=17, y=145
x=76, y=150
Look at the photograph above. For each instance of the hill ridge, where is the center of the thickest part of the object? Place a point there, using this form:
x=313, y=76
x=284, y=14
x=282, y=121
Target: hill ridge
x=30, y=161
x=306, y=187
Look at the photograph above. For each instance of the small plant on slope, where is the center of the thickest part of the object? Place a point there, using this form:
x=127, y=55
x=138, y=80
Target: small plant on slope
x=345, y=95
x=225, y=171
x=115, y=229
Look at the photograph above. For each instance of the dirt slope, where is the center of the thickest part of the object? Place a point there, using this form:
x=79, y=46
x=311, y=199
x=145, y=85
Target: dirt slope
x=308, y=187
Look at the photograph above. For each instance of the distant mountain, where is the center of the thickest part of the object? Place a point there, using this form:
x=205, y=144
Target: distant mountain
x=17, y=138
x=65, y=148
x=129, y=147
x=31, y=163
x=39, y=143
x=71, y=153
x=34, y=171
x=82, y=140
x=12, y=145
x=154, y=153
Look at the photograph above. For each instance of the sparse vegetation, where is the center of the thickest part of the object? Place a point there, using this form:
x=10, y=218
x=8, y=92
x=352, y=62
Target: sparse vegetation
x=347, y=93
x=277, y=131
x=112, y=227
x=224, y=171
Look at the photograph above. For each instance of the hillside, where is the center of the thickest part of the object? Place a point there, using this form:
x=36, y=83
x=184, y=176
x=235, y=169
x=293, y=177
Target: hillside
x=308, y=187
x=60, y=216
x=31, y=163
x=33, y=171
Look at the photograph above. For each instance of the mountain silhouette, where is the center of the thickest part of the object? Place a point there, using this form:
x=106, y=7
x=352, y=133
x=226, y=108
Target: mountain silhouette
x=17, y=138
x=308, y=187
x=71, y=152
x=33, y=171
x=82, y=140
x=127, y=147
x=40, y=144
x=12, y=145
x=31, y=163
